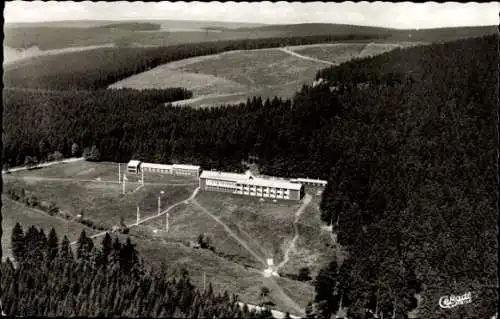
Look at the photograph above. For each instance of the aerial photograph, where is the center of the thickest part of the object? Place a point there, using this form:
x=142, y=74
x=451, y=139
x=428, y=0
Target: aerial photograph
x=250, y=160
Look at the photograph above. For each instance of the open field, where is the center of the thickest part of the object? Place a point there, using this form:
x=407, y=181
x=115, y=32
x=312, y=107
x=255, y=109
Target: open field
x=14, y=212
x=75, y=187
x=11, y=55
x=230, y=77
x=266, y=225
x=342, y=52
x=312, y=248
x=224, y=274
x=187, y=222
x=243, y=230
x=233, y=77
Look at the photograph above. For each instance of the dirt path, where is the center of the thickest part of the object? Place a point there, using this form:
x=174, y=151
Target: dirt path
x=291, y=245
x=286, y=50
x=230, y=232
x=142, y=221
x=23, y=168
x=276, y=288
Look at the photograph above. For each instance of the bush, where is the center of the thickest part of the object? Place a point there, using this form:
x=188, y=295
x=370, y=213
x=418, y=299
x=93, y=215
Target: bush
x=304, y=274
x=264, y=292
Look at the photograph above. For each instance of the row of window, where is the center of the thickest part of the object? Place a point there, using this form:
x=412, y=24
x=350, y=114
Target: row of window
x=159, y=170
x=265, y=188
x=242, y=192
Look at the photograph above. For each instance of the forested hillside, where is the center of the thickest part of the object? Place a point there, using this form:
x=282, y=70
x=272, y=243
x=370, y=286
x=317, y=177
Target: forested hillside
x=109, y=280
x=407, y=140
x=414, y=195
x=96, y=69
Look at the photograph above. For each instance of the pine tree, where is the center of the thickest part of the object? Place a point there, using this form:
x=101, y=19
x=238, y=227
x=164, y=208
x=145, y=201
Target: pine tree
x=106, y=249
x=52, y=245
x=66, y=254
x=18, y=243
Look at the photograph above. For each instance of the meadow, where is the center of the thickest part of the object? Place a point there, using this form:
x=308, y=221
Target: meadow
x=222, y=273
x=229, y=77
x=91, y=189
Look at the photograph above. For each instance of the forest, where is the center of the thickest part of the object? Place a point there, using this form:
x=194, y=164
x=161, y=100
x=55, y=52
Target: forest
x=407, y=141
x=98, y=68
x=48, y=279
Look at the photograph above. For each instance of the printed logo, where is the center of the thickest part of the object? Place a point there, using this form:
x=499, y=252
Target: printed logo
x=453, y=301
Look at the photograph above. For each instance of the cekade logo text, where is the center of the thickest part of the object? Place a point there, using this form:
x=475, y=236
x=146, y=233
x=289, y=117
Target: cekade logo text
x=453, y=301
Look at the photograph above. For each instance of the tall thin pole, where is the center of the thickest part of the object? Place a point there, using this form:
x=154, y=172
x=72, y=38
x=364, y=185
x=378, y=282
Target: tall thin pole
x=119, y=174
x=167, y=224
x=159, y=204
x=124, y=184
x=138, y=214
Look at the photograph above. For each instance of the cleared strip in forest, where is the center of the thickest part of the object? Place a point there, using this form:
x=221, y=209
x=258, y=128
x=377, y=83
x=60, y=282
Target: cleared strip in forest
x=230, y=232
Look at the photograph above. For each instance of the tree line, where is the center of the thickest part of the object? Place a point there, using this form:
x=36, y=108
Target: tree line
x=99, y=68
x=48, y=278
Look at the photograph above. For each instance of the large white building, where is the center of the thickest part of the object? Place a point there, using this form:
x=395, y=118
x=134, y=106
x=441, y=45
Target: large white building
x=246, y=184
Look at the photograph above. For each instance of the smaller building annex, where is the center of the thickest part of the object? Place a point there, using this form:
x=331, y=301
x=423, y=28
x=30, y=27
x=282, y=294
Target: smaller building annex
x=157, y=168
x=309, y=181
x=134, y=166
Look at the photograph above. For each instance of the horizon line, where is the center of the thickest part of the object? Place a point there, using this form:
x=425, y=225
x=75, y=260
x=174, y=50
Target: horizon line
x=254, y=23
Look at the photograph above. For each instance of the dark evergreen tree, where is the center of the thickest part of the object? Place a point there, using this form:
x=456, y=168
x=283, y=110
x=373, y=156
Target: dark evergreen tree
x=18, y=243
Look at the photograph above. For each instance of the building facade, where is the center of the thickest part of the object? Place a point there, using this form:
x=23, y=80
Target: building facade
x=157, y=168
x=186, y=170
x=246, y=184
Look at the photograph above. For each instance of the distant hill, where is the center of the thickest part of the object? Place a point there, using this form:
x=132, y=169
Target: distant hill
x=99, y=23
x=63, y=34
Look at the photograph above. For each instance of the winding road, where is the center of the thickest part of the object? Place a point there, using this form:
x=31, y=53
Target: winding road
x=286, y=50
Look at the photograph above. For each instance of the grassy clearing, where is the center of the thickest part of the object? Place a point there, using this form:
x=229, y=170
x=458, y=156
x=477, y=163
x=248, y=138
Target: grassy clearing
x=81, y=170
x=102, y=202
x=14, y=212
x=336, y=53
x=311, y=246
x=187, y=222
x=230, y=77
x=342, y=52
x=164, y=77
x=265, y=225
x=223, y=274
